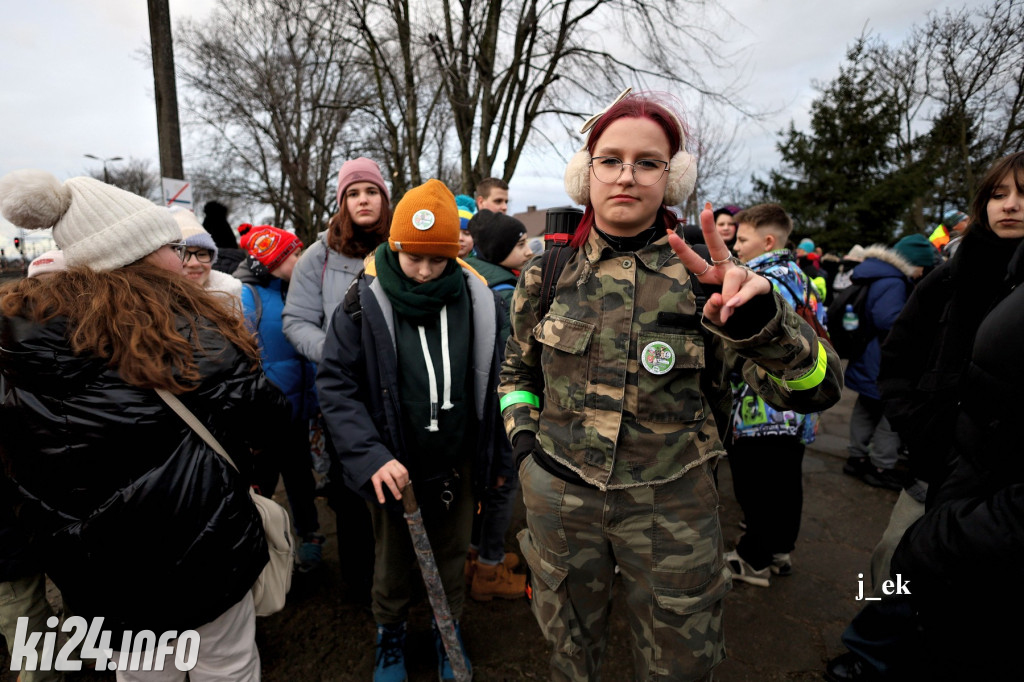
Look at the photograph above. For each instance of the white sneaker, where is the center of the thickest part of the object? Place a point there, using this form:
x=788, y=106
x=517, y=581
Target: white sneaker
x=781, y=564
x=743, y=571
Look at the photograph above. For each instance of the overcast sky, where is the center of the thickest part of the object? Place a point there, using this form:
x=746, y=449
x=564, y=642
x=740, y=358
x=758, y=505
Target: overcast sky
x=75, y=81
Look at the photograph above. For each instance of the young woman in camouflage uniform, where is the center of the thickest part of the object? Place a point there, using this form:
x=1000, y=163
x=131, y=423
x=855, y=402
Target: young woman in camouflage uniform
x=608, y=401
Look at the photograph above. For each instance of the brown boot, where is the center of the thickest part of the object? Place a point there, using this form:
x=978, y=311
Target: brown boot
x=470, y=568
x=496, y=581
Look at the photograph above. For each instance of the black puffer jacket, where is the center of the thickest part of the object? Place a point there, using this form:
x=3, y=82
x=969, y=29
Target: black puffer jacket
x=930, y=344
x=965, y=557
x=135, y=518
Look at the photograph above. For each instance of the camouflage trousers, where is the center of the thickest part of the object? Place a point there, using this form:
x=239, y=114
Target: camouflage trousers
x=667, y=543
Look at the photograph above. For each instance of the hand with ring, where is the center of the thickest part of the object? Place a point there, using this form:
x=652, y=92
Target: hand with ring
x=738, y=286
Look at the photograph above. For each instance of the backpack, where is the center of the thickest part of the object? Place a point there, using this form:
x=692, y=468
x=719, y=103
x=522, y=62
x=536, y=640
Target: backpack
x=850, y=343
x=803, y=309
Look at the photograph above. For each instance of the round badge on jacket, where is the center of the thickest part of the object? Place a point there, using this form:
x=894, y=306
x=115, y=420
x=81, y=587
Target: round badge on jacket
x=658, y=357
x=423, y=219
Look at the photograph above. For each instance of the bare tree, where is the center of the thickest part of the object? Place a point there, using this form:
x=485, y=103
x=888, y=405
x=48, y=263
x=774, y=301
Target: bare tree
x=717, y=159
x=976, y=69
x=134, y=175
x=409, y=117
x=498, y=60
x=275, y=89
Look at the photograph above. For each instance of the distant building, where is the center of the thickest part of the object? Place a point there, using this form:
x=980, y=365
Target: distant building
x=533, y=220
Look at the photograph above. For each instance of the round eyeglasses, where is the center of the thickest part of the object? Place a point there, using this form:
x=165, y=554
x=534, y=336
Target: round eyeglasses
x=607, y=169
x=201, y=255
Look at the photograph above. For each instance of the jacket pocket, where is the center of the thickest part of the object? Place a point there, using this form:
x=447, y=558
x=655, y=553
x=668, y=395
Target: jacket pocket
x=668, y=377
x=564, y=359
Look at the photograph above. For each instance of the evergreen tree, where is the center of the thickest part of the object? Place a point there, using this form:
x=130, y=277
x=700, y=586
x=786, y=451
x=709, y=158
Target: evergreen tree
x=839, y=181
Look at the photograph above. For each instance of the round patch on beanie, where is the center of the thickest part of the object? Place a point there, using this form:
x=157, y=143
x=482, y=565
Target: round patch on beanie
x=264, y=243
x=423, y=219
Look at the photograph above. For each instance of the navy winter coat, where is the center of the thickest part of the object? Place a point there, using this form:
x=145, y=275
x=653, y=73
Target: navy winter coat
x=887, y=274
x=357, y=382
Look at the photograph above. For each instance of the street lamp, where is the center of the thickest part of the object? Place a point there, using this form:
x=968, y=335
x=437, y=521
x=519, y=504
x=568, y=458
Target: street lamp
x=106, y=175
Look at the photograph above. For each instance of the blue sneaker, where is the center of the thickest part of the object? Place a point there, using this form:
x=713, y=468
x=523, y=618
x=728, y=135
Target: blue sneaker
x=390, y=666
x=444, y=666
x=310, y=552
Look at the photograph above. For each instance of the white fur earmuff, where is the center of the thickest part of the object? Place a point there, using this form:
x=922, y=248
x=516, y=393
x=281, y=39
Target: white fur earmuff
x=33, y=199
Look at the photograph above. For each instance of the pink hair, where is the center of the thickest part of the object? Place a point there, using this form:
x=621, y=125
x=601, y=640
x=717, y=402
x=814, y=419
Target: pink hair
x=633, y=106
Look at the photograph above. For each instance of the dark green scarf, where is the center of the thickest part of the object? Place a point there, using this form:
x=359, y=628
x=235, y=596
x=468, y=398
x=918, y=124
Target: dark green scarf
x=410, y=299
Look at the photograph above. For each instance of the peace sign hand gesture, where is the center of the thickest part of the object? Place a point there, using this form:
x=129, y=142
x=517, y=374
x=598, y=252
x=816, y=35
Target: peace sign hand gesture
x=739, y=284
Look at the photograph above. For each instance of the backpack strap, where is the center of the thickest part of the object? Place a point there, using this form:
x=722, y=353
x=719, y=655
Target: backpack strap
x=350, y=303
x=257, y=303
x=552, y=262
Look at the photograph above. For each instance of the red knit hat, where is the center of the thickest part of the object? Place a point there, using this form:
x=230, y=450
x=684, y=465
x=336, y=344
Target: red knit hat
x=269, y=245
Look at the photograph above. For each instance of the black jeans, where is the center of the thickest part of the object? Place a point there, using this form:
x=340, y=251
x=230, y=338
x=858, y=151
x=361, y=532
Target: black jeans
x=295, y=465
x=768, y=483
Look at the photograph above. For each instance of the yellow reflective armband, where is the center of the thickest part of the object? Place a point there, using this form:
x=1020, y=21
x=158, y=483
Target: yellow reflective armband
x=812, y=378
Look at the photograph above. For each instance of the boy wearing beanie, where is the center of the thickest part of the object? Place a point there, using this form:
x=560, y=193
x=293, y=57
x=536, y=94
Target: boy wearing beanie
x=407, y=386
x=467, y=208
x=501, y=251
x=264, y=274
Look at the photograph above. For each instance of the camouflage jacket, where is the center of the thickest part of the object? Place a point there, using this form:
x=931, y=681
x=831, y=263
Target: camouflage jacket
x=618, y=379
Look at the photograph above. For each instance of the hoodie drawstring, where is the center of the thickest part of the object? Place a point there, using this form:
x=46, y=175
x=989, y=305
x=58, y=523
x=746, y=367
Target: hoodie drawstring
x=446, y=365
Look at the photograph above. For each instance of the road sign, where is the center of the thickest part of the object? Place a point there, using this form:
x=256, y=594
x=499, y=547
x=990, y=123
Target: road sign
x=177, y=193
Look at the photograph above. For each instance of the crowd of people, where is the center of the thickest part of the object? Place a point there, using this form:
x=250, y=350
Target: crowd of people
x=431, y=349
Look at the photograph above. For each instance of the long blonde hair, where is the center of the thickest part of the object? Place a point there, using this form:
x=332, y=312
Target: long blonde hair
x=131, y=317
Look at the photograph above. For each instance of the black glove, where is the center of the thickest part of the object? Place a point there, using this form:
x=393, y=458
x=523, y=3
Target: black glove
x=522, y=445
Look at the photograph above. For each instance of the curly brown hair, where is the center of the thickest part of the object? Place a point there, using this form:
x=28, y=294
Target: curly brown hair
x=346, y=237
x=131, y=317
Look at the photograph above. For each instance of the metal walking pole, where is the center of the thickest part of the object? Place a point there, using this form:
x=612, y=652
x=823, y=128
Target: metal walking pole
x=435, y=590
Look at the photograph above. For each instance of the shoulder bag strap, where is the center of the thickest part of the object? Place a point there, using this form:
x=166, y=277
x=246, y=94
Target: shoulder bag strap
x=193, y=421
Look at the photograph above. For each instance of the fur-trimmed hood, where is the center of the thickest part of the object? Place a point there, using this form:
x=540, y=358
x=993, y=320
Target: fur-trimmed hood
x=887, y=255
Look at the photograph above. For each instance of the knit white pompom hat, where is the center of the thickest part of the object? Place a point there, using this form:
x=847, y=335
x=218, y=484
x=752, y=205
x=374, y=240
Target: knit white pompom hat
x=95, y=224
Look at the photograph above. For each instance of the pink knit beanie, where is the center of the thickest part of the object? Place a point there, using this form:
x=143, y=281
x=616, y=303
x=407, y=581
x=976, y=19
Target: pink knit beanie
x=360, y=170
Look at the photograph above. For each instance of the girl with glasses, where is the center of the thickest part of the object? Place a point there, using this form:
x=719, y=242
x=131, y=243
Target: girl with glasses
x=199, y=255
x=609, y=400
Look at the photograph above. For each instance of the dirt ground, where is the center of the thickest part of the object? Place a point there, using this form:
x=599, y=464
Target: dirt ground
x=786, y=632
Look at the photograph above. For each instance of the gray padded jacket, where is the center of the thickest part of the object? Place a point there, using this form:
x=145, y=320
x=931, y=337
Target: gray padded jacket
x=318, y=284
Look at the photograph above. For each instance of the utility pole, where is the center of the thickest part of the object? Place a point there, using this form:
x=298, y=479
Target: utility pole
x=166, y=91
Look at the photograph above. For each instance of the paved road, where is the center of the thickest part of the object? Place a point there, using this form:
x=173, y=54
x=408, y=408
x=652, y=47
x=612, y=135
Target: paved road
x=785, y=632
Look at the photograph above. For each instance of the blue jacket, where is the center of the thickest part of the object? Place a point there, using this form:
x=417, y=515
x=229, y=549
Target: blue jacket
x=888, y=275
x=752, y=416
x=283, y=365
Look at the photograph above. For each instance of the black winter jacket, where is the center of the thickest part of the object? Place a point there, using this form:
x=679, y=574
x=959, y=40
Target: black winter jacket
x=930, y=344
x=357, y=382
x=964, y=557
x=135, y=518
